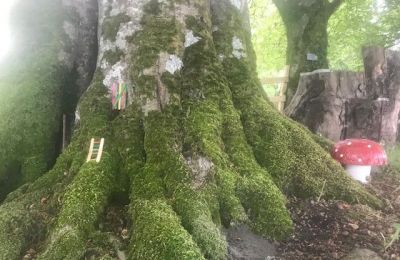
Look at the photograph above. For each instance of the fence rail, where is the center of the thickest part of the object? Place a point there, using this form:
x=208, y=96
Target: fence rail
x=279, y=82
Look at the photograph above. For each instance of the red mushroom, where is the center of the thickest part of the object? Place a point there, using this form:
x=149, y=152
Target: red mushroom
x=358, y=155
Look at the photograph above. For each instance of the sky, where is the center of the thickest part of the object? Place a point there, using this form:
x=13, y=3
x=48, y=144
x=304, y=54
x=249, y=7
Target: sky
x=5, y=6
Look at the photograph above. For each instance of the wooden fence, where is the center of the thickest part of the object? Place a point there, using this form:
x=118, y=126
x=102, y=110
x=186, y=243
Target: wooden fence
x=279, y=83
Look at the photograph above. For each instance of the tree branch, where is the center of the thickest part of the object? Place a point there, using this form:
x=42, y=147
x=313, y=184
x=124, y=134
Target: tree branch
x=333, y=6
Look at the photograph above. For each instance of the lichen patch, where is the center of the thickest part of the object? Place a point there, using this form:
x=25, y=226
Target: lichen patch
x=115, y=74
x=190, y=39
x=238, y=48
x=201, y=168
x=173, y=64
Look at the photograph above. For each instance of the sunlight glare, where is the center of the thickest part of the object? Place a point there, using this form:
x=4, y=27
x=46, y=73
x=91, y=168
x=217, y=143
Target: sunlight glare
x=5, y=6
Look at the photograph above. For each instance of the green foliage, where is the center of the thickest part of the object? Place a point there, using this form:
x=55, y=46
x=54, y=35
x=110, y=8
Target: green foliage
x=351, y=28
x=269, y=37
x=355, y=24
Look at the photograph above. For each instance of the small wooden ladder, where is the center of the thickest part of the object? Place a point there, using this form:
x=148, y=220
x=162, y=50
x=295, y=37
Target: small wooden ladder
x=95, y=150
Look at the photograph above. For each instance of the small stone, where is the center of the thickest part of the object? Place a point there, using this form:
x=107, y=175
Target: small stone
x=125, y=233
x=371, y=227
x=353, y=226
x=43, y=201
x=345, y=233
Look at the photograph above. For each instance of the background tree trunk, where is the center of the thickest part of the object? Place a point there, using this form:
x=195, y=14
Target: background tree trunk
x=340, y=105
x=51, y=65
x=198, y=147
x=306, y=23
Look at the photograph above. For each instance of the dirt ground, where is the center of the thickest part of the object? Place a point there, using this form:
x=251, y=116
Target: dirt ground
x=323, y=229
x=332, y=229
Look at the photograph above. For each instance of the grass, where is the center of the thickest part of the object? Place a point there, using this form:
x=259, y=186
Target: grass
x=394, y=157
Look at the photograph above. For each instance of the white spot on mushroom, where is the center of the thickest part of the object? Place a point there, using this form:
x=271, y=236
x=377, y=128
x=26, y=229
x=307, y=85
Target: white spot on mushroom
x=173, y=64
x=359, y=160
x=336, y=150
x=190, y=39
x=238, y=48
x=341, y=155
x=349, y=143
x=369, y=146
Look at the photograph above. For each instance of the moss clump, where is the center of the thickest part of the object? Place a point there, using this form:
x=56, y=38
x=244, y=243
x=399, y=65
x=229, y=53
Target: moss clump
x=165, y=238
x=113, y=56
x=112, y=24
x=298, y=165
x=31, y=84
x=83, y=202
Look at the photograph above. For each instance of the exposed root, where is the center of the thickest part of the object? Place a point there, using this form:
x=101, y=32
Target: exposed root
x=298, y=165
x=83, y=202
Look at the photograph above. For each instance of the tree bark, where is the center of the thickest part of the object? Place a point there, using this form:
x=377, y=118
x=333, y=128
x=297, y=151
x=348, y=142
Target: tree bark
x=340, y=105
x=51, y=65
x=197, y=148
x=306, y=23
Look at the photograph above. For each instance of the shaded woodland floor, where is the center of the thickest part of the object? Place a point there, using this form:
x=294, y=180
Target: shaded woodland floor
x=323, y=229
x=332, y=229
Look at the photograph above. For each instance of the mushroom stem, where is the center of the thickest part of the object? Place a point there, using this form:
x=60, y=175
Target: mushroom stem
x=359, y=172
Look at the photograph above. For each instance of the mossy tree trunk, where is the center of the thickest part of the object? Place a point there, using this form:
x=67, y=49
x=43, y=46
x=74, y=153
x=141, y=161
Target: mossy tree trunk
x=306, y=23
x=198, y=147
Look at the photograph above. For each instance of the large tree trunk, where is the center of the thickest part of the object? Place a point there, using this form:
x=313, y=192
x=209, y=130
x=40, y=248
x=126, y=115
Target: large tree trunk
x=198, y=146
x=306, y=23
x=52, y=64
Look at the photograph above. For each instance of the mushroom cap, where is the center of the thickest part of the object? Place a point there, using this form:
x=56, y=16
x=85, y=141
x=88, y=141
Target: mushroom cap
x=359, y=152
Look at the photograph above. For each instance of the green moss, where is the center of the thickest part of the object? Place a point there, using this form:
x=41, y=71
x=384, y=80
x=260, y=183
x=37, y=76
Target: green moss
x=83, y=202
x=297, y=164
x=165, y=238
x=194, y=209
x=158, y=35
x=113, y=56
x=112, y=24
x=213, y=128
x=31, y=84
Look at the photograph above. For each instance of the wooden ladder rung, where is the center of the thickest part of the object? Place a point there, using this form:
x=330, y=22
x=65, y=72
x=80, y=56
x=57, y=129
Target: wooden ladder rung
x=95, y=150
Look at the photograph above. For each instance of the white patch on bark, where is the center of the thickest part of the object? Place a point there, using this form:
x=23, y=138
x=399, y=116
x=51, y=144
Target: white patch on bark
x=117, y=73
x=166, y=62
x=184, y=10
x=201, y=168
x=77, y=115
x=173, y=64
x=238, y=48
x=237, y=4
x=150, y=105
x=190, y=39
